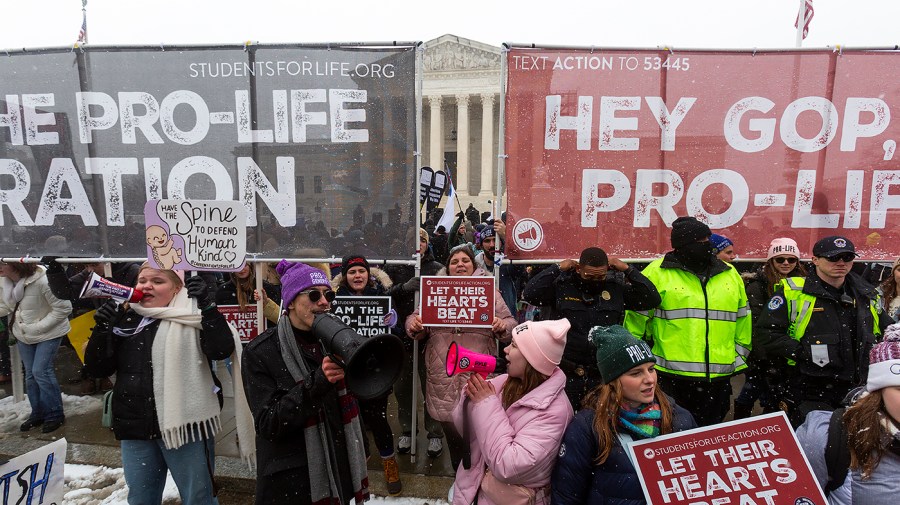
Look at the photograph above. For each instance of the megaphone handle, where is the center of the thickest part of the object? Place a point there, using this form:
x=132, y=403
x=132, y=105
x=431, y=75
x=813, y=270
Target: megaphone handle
x=336, y=360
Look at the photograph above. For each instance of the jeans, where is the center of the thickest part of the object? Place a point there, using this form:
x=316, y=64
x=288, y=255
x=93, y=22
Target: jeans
x=40, y=380
x=146, y=461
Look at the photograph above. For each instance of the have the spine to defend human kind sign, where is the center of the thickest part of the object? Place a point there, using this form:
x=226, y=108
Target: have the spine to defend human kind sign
x=196, y=234
x=365, y=314
x=457, y=301
x=746, y=462
x=35, y=477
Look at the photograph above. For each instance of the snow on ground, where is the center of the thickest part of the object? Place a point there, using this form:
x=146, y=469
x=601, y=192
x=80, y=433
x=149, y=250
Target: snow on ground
x=14, y=414
x=99, y=485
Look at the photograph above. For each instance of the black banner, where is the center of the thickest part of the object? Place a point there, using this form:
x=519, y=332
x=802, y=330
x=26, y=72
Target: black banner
x=365, y=314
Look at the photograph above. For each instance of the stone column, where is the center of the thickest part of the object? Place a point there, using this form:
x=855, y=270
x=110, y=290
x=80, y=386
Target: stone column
x=461, y=183
x=487, y=144
x=436, y=144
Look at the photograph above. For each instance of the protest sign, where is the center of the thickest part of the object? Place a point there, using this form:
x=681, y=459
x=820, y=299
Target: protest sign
x=35, y=477
x=306, y=138
x=426, y=175
x=436, y=191
x=196, y=234
x=363, y=313
x=610, y=146
x=457, y=301
x=244, y=320
x=746, y=462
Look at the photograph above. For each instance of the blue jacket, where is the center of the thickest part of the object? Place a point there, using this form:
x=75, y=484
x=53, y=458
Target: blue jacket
x=577, y=479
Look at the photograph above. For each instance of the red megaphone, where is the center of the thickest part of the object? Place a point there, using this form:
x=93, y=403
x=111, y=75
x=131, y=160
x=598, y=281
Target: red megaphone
x=462, y=360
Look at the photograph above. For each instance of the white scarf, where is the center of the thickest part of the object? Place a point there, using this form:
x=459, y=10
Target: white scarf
x=12, y=292
x=186, y=402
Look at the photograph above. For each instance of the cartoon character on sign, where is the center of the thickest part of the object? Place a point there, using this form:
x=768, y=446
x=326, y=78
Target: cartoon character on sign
x=164, y=253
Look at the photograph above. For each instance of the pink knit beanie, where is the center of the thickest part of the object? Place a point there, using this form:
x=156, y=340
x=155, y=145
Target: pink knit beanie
x=542, y=343
x=783, y=247
x=884, y=361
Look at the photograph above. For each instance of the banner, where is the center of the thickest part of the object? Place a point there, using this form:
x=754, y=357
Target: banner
x=457, y=301
x=426, y=176
x=365, y=314
x=316, y=143
x=243, y=320
x=196, y=234
x=35, y=477
x=608, y=147
x=436, y=191
x=747, y=462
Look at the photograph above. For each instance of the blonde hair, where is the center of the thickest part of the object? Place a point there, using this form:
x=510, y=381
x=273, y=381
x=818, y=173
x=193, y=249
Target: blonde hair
x=170, y=274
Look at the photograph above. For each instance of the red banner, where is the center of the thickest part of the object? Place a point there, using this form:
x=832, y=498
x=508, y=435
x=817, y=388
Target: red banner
x=457, y=301
x=608, y=147
x=243, y=320
x=752, y=461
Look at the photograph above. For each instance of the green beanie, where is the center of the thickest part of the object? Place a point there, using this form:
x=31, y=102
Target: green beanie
x=618, y=351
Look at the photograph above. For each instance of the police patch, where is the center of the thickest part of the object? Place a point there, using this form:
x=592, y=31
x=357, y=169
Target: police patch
x=776, y=302
x=839, y=242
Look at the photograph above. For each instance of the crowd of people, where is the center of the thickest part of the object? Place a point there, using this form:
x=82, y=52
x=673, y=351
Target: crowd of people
x=600, y=354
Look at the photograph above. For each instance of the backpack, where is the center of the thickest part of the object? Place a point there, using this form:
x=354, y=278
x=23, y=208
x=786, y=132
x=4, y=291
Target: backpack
x=837, y=453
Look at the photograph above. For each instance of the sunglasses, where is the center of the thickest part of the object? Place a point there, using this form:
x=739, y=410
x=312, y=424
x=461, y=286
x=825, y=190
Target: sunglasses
x=846, y=258
x=315, y=295
x=782, y=259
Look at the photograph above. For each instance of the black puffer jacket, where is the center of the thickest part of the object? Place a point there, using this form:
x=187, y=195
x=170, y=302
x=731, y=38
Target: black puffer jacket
x=134, y=405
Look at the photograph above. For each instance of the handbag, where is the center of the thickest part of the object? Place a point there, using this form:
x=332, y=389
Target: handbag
x=107, y=418
x=507, y=494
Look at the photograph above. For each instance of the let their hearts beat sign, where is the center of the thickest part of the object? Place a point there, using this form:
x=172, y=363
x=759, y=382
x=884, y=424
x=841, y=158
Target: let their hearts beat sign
x=196, y=234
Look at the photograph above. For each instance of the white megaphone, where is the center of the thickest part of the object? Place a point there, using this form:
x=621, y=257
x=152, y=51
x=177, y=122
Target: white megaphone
x=98, y=287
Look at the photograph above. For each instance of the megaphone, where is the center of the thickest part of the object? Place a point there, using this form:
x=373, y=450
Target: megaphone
x=371, y=364
x=462, y=360
x=528, y=234
x=98, y=287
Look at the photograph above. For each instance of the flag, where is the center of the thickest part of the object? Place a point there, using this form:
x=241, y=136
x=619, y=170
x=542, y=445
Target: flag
x=82, y=34
x=806, y=19
x=449, y=209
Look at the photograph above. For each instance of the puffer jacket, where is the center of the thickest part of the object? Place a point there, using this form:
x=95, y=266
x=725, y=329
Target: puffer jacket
x=442, y=392
x=577, y=479
x=518, y=445
x=41, y=316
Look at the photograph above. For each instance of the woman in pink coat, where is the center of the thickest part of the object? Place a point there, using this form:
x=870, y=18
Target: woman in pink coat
x=515, y=422
x=442, y=392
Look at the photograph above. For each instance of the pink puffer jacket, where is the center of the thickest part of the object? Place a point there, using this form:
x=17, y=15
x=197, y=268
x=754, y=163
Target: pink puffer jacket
x=518, y=445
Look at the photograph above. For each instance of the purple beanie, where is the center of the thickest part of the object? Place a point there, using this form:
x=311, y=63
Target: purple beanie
x=298, y=277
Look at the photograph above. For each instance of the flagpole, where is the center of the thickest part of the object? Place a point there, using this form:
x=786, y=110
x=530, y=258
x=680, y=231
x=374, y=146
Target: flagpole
x=801, y=23
x=447, y=171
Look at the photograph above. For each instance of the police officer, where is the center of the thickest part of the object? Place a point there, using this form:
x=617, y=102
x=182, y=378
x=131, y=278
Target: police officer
x=588, y=294
x=824, y=324
x=701, y=331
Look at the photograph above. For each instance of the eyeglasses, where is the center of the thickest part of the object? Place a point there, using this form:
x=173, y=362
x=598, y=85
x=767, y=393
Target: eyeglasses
x=315, y=295
x=785, y=259
x=846, y=258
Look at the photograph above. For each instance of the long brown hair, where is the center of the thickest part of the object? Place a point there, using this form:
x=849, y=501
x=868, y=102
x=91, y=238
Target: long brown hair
x=773, y=276
x=515, y=388
x=244, y=286
x=606, y=400
x=866, y=437
x=23, y=270
x=889, y=288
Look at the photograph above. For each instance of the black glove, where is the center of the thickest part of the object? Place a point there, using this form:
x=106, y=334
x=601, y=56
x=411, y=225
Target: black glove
x=52, y=264
x=197, y=288
x=108, y=314
x=461, y=214
x=412, y=284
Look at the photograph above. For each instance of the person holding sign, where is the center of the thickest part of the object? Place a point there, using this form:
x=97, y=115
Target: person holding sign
x=443, y=391
x=309, y=439
x=593, y=465
x=165, y=410
x=864, y=438
x=515, y=421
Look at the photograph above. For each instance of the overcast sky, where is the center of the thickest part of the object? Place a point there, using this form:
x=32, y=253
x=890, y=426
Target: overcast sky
x=617, y=23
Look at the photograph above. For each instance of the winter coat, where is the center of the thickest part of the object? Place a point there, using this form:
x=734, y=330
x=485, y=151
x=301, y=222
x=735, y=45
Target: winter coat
x=813, y=437
x=380, y=284
x=518, y=445
x=40, y=316
x=577, y=479
x=130, y=358
x=442, y=392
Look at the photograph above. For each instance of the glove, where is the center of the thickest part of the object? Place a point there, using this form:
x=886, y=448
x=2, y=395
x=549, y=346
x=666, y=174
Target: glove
x=197, y=289
x=52, y=264
x=461, y=214
x=411, y=285
x=108, y=314
x=389, y=319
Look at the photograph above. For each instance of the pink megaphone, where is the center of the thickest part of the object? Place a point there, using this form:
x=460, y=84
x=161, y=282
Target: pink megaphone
x=98, y=287
x=462, y=360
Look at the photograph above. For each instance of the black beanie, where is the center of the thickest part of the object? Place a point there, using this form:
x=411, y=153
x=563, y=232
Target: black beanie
x=687, y=230
x=354, y=260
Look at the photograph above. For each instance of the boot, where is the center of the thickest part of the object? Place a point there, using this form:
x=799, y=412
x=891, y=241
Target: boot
x=88, y=387
x=392, y=475
x=742, y=411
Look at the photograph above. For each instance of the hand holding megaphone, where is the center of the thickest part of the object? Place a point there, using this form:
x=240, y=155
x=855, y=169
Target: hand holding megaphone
x=98, y=287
